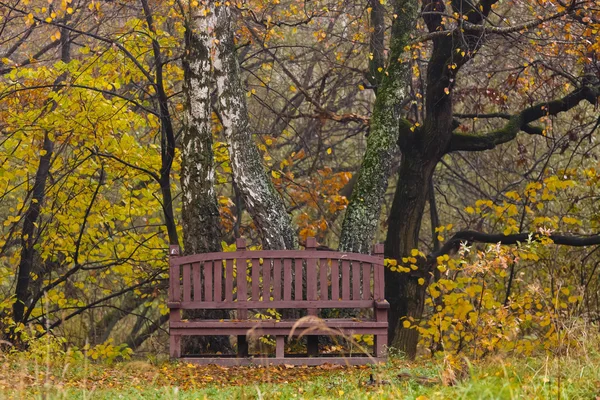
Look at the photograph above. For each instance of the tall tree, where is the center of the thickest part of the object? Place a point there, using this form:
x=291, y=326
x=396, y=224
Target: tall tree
x=362, y=216
x=38, y=197
x=261, y=199
x=200, y=211
x=422, y=148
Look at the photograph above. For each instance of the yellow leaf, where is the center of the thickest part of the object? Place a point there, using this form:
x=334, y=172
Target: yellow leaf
x=406, y=324
x=329, y=150
x=276, y=174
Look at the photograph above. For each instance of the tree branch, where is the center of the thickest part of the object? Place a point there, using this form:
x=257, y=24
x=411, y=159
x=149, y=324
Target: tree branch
x=519, y=122
x=480, y=237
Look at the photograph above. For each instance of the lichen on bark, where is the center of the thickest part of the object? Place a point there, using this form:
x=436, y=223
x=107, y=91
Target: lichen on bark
x=200, y=212
x=261, y=199
x=362, y=216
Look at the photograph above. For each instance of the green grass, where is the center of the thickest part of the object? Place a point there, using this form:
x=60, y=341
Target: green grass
x=495, y=378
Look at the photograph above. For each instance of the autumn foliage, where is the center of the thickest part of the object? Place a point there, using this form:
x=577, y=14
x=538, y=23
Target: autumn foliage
x=92, y=110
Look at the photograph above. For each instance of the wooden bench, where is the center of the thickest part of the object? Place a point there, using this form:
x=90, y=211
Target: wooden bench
x=308, y=280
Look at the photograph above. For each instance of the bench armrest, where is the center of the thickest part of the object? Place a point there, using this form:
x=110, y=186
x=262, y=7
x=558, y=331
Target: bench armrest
x=173, y=304
x=382, y=304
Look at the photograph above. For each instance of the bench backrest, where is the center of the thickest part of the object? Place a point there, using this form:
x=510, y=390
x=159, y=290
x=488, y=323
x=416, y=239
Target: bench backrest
x=277, y=279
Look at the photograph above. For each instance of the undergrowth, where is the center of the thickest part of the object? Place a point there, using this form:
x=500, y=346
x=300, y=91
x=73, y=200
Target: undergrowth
x=51, y=373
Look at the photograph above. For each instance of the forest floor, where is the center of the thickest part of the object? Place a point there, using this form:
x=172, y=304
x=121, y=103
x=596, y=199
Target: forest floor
x=565, y=377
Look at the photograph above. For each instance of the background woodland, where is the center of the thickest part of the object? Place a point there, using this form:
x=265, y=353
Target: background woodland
x=462, y=134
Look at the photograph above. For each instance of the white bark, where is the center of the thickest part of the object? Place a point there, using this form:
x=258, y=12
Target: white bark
x=200, y=212
x=263, y=202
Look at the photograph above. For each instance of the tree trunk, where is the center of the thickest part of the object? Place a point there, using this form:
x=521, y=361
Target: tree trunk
x=362, y=216
x=167, y=138
x=200, y=210
x=421, y=150
x=261, y=199
x=403, y=291
x=30, y=219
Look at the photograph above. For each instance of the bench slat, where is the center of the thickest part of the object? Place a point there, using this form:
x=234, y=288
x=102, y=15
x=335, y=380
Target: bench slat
x=255, y=279
x=277, y=279
x=298, y=276
x=332, y=323
x=266, y=273
x=295, y=304
x=323, y=284
x=287, y=279
x=229, y=280
x=218, y=274
x=197, y=281
x=187, y=283
x=366, y=280
x=208, y=280
x=358, y=330
x=311, y=279
x=242, y=291
x=355, y=280
x=335, y=280
x=346, y=280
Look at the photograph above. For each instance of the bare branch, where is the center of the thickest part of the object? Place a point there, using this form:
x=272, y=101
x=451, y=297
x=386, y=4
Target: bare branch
x=518, y=122
x=480, y=237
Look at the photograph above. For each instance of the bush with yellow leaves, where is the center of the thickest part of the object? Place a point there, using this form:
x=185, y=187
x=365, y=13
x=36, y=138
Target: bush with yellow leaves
x=484, y=303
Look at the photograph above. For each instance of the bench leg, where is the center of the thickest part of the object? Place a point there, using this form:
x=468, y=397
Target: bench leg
x=279, y=346
x=175, y=346
x=242, y=346
x=312, y=345
x=381, y=345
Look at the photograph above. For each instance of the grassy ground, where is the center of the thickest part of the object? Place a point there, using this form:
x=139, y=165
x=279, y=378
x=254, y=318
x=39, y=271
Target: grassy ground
x=567, y=377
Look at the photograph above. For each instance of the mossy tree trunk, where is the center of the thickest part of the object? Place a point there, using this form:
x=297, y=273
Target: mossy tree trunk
x=362, y=216
x=424, y=147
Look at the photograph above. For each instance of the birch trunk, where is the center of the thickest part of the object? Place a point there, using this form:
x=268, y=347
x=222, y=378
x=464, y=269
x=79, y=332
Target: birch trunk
x=262, y=201
x=200, y=211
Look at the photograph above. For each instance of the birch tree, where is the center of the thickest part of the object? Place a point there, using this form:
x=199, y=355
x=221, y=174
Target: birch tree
x=200, y=211
x=260, y=197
